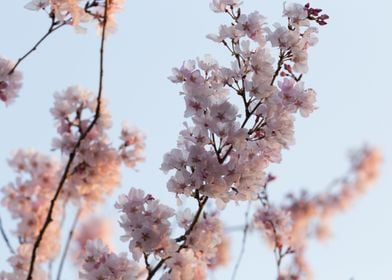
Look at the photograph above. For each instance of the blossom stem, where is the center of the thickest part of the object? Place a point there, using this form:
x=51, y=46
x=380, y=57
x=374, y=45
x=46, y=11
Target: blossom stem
x=69, y=239
x=72, y=155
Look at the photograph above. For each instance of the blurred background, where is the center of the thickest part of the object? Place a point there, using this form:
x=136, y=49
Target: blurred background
x=349, y=69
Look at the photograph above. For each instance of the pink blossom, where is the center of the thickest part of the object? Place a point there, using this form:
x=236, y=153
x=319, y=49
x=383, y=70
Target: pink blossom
x=95, y=170
x=100, y=263
x=145, y=222
x=131, y=151
x=297, y=14
x=36, y=5
x=220, y=6
x=10, y=83
x=185, y=265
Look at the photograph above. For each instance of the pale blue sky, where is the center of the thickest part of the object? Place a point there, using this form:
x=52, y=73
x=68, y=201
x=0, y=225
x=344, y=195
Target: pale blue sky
x=349, y=68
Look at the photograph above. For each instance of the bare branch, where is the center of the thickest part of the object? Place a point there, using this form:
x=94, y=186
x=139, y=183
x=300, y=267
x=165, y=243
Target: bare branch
x=55, y=25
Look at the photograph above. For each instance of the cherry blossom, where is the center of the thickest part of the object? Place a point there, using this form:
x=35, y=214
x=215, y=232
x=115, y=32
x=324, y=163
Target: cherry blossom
x=185, y=265
x=10, y=81
x=220, y=6
x=221, y=139
x=20, y=264
x=145, y=222
x=93, y=228
x=133, y=145
x=96, y=168
x=100, y=263
x=77, y=12
x=289, y=227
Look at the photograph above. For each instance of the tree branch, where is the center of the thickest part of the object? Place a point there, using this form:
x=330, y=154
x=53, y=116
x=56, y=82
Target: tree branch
x=183, y=237
x=73, y=152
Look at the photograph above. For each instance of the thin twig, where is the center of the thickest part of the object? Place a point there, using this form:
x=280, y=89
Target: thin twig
x=53, y=27
x=69, y=239
x=4, y=235
x=244, y=237
x=72, y=155
x=221, y=159
x=202, y=203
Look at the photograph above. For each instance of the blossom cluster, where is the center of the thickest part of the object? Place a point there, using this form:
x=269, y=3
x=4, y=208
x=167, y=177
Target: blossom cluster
x=100, y=263
x=145, y=222
x=303, y=216
x=10, y=81
x=76, y=12
x=91, y=228
x=27, y=199
x=95, y=170
x=20, y=265
x=224, y=153
x=93, y=174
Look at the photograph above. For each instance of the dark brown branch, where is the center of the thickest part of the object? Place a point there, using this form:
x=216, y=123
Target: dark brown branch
x=249, y=114
x=4, y=235
x=72, y=155
x=69, y=239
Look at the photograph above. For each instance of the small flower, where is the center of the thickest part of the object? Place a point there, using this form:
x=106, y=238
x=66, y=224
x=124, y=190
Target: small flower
x=36, y=5
x=10, y=82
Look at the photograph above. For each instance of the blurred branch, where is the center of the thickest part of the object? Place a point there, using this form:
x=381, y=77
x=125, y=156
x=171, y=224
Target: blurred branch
x=70, y=235
x=4, y=235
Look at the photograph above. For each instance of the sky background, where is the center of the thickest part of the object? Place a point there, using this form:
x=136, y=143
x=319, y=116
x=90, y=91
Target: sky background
x=349, y=69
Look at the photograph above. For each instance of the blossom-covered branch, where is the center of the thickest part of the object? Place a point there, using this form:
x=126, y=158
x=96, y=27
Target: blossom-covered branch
x=5, y=237
x=240, y=118
x=221, y=156
x=72, y=154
